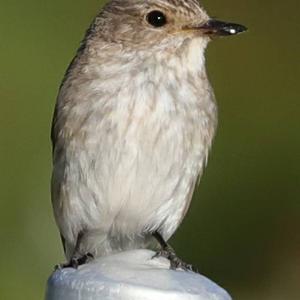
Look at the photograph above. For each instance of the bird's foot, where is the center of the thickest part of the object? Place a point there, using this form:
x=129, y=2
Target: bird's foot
x=76, y=261
x=175, y=261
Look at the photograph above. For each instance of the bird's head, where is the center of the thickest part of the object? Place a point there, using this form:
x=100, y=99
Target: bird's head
x=146, y=24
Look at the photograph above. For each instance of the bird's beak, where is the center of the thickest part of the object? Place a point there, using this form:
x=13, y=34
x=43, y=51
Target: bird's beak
x=219, y=28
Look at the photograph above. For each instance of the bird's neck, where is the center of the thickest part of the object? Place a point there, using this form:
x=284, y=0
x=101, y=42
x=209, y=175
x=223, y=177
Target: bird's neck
x=181, y=56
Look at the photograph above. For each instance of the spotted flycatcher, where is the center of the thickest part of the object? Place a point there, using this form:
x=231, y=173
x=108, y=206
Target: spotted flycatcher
x=133, y=125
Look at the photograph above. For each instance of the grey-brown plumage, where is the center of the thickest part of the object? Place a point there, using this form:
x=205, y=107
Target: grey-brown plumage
x=133, y=125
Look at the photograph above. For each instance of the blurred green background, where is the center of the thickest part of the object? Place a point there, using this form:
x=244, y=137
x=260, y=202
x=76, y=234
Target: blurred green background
x=243, y=227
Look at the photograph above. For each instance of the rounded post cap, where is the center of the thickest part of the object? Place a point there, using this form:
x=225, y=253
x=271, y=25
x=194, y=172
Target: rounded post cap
x=132, y=275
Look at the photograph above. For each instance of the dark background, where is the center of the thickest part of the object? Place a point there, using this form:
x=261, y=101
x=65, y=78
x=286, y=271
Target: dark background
x=242, y=230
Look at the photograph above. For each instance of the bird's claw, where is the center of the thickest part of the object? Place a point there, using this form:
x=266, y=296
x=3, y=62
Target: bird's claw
x=175, y=261
x=75, y=261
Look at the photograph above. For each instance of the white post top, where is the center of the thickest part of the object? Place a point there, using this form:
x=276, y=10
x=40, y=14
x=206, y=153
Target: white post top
x=131, y=275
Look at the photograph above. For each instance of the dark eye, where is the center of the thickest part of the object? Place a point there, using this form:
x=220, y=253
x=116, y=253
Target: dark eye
x=156, y=18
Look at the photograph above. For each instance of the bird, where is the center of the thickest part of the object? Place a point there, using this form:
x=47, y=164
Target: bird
x=133, y=125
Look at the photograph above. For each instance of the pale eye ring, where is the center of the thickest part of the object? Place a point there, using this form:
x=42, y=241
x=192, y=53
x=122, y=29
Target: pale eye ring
x=156, y=18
